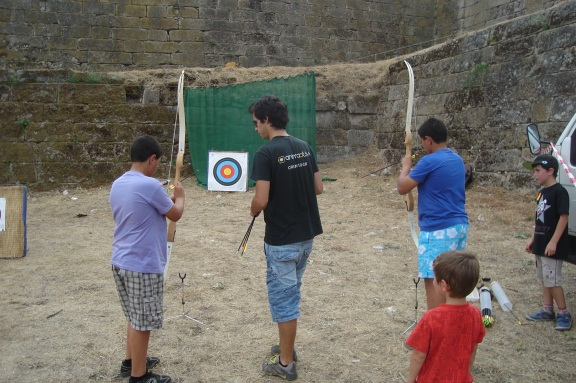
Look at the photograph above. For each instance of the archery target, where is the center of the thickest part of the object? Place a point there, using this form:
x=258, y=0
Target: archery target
x=227, y=171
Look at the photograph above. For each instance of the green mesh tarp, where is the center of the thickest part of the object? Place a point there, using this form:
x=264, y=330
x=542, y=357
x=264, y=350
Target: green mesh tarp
x=217, y=119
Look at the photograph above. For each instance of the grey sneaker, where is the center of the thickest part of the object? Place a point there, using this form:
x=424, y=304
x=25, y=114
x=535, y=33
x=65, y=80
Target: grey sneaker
x=563, y=322
x=150, y=377
x=276, y=350
x=126, y=367
x=273, y=367
x=541, y=316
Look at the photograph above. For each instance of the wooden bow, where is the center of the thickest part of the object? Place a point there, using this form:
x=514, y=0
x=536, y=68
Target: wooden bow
x=179, y=164
x=409, y=197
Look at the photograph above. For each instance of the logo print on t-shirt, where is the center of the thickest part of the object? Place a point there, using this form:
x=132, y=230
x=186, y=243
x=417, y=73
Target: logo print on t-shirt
x=540, y=209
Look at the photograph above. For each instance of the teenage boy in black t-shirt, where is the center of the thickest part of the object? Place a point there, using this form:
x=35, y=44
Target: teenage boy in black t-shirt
x=287, y=183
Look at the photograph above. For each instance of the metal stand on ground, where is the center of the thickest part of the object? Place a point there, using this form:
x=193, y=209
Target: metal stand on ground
x=416, y=281
x=184, y=312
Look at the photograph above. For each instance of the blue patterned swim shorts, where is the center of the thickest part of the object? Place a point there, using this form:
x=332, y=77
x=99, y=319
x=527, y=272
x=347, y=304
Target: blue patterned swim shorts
x=433, y=243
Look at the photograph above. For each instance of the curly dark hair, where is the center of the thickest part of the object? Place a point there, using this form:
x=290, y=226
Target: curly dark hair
x=273, y=108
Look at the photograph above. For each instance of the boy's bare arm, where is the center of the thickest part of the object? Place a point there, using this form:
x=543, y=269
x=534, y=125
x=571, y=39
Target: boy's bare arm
x=472, y=357
x=405, y=183
x=260, y=199
x=416, y=362
x=560, y=227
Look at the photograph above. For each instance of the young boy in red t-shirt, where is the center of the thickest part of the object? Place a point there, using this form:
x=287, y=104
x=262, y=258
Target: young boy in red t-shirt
x=445, y=340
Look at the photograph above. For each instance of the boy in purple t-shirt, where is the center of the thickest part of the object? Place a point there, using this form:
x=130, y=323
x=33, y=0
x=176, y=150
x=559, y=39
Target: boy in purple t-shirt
x=140, y=207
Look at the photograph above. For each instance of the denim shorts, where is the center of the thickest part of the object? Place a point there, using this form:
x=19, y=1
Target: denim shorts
x=549, y=271
x=433, y=243
x=141, y=296
x=285, y=266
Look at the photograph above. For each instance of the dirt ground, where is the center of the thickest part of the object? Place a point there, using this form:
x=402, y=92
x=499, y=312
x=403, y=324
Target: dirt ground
x=60, y=320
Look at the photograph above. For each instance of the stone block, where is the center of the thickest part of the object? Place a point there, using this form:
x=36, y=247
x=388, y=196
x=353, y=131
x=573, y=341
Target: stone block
x=157, y=35
x=360, y=137
x=335, y=153
x=100, y=45
x=152, y=47
x=63, y=43
x=112, y=21
x=32, y=18
x=133, y=46
x=130, y=34
x=98, y=8
x=156, y=11
x=331, y=137
x=196, y=24
x=192, y=48
x=131, y=10
x=148, y=60
x=162, y=2
x=183, y=12
x=186, y=35
x=77, y=19
x=76, y=31
x=37, y=93
x=151, y=96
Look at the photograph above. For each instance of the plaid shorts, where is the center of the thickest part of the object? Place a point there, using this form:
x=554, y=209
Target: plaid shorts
x=141, y=296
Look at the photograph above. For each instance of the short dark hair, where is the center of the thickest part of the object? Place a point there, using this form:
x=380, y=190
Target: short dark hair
x=459, y=269
x=435, y=129
x=143, y=147
x=547, y=161
x=273, y=108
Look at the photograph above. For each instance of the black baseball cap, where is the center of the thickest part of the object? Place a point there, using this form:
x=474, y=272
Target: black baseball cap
x=547, y=161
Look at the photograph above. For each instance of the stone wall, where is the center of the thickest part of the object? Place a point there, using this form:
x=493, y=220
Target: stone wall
x=60, y=134
x=112, y=35
x=478, y=14
x=62, y=128
x=487, y=86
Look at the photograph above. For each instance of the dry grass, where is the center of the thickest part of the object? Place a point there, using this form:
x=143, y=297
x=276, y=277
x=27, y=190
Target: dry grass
x=61, y=320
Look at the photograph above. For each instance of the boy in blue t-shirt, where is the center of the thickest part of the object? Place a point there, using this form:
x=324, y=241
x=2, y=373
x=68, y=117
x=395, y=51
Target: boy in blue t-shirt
x=440, y=178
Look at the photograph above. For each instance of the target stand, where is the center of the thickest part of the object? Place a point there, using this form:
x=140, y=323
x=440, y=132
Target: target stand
x=415, y=322
x=227, y=171
x=184, y=311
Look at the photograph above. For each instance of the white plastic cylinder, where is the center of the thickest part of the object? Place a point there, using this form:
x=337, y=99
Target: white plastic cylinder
x=485, y=301
x=500, y=295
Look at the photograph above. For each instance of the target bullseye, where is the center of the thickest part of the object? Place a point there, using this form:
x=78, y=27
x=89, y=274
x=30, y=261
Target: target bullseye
x=227, y=171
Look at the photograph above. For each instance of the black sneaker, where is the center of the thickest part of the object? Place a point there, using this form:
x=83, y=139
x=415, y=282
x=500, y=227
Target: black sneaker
x=126, y=367
x=150, y=377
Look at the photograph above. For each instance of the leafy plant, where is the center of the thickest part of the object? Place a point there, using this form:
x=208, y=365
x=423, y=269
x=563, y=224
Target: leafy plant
x=23, y=122
x=93, y=78
x=73, y=78
x=14, y=80
x=475, y=77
